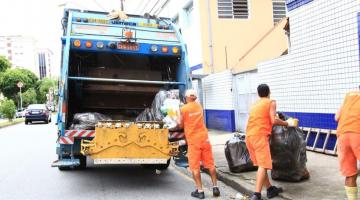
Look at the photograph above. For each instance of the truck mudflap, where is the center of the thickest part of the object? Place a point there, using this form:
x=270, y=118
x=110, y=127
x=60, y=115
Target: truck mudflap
x=119, y=142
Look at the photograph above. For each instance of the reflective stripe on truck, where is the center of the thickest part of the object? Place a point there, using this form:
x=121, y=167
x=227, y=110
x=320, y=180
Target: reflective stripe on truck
x=80, y=133
x=71, y=134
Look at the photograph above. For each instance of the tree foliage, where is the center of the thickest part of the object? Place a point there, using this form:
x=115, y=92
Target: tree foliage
x=11, y=77
x=4, y=64
x=8, y=108
x=29, y=97
x=43, y=88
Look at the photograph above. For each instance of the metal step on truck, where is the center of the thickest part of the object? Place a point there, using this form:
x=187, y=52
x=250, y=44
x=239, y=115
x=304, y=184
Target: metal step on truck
x=116, y=66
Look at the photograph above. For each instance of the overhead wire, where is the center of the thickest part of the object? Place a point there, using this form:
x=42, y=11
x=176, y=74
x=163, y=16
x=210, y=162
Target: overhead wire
x=161, y=8
x=99, y=5
x=143, y=9
x=154, y=6
x=138, y=6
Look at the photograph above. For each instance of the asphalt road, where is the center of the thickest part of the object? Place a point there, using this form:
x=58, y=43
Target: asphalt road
x=26, y=154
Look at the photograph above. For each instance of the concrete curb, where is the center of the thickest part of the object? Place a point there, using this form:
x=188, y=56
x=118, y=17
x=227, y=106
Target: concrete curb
x=235, y=185
x=11, y=124
x=240, y=185
x=220, y=176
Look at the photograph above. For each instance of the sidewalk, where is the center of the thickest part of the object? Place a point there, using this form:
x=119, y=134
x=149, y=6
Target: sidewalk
x=325, y=180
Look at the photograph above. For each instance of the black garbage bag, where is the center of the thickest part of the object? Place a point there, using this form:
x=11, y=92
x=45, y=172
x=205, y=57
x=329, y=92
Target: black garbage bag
x=288, y=152
x=237, y=155
x=87, y=121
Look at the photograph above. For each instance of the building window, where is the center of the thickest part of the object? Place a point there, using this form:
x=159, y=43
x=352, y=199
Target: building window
x=233, y=9
x=279, y=10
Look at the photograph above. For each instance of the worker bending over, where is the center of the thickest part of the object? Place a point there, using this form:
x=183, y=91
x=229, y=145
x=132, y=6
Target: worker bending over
x=199, y=148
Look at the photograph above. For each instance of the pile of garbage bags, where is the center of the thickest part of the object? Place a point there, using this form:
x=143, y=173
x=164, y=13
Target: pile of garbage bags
x=237, y=155
x=87, y=121
x=165, y=107
x=288, y=152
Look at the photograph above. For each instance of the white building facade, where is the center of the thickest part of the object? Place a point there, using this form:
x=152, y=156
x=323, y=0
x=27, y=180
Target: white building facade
x=188, y=20
x=323, y=62
x=21, y=51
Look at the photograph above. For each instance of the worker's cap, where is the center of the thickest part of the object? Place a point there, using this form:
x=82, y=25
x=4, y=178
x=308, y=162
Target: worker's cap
x=190, y=93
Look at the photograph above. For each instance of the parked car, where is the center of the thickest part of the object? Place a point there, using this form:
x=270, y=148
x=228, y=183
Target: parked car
x=20, y=113
x=37, y=112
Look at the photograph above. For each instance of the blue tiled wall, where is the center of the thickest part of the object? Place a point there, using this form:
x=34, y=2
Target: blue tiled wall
x=196, y=67
x=314, y=120
x=293, y=4
x=220, y=120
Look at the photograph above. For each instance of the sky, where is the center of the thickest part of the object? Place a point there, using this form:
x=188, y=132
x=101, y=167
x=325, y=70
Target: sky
x=40, y=19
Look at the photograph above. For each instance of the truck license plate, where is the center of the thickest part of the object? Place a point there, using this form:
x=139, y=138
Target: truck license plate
x=128, y=46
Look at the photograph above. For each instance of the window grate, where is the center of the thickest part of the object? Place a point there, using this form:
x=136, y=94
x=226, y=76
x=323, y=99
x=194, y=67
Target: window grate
x=233, y=9
x=279, y=10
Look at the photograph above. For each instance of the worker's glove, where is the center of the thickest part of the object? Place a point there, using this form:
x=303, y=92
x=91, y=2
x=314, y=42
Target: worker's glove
x=292, y=122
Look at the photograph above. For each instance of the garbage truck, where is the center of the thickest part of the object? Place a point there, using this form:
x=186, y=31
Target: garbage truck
x=116, y=66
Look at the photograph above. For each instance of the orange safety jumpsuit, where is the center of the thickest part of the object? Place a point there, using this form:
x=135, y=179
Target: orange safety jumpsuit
x=199, y=148
x=348, y=132
x=258, y=131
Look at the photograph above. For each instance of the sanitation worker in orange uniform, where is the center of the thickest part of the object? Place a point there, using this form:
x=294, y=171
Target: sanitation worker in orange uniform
x=348, y=133
x=199, y=148
x=262, y=118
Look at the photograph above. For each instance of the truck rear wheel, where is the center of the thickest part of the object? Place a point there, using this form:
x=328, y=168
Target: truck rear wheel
x=64, y=168
x=81, y=166
x=82, y=162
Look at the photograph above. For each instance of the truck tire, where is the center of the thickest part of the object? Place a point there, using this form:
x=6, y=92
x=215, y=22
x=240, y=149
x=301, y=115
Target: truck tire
x=81, y=166
x=64, y=168
x=82, y=159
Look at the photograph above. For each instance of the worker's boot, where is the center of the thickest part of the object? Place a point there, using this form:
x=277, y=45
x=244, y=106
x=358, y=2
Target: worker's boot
x=197, y=194
x=256, y=196
x=273, y=191
x=216, y=192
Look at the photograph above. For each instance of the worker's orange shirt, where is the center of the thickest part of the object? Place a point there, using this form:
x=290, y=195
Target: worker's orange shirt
x=259, y=122
x=194, y=126
x=349, y=119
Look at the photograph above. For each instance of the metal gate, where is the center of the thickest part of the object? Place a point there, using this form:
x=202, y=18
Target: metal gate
x=245, y=95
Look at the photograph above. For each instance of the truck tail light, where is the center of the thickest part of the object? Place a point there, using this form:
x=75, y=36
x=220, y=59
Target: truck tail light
x=88, y=44
x=154, y=48
x=175, y=50
x=100, y=45
x=164, y=49
x=112, y=45
x=77, y=43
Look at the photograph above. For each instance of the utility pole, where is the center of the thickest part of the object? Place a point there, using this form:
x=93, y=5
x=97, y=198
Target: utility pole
x=122, y=5
x=20, y=85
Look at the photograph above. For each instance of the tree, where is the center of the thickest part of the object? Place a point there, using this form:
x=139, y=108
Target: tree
x=43, y=88
x=11, y=77
x=29, y=97
x=8, y=108
x=4, y=64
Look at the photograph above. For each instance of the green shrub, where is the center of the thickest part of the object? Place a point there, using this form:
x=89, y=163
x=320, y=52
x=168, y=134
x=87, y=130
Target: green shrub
x=8, y=109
